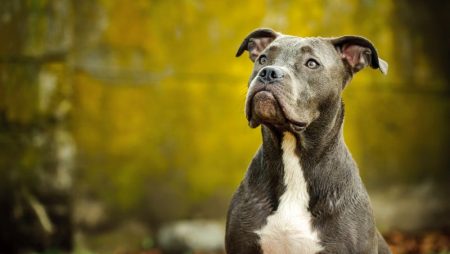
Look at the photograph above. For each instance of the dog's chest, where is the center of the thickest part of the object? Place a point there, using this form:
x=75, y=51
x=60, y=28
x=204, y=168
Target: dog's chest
x=289, y=229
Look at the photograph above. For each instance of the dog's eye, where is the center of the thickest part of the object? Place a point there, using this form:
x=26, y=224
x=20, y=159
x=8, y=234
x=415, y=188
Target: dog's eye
x=312, y=64
x=262, y=59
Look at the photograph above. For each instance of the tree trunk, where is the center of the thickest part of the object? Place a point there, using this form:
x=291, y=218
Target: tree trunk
x=36, y=149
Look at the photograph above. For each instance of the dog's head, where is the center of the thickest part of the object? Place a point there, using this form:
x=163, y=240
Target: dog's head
x=295, y=78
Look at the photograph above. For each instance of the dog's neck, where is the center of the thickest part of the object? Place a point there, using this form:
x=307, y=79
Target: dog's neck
x=321, y=136
x=315, y=147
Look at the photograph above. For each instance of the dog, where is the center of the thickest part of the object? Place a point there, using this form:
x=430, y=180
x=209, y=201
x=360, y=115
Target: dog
x=302, y=192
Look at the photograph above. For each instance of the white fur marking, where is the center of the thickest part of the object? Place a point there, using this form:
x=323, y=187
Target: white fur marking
x=289, y=229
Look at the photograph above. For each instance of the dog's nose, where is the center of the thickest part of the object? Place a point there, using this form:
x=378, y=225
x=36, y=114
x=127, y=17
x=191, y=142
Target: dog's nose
x=270, y=74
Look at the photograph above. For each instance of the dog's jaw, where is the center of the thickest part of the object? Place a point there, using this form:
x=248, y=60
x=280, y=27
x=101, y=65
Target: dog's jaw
x=264, y=108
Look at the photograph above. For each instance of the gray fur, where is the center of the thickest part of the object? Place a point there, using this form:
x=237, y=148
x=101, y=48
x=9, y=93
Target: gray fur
x=308, y=104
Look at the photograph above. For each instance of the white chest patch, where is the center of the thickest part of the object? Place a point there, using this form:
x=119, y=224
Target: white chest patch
x=289, y=229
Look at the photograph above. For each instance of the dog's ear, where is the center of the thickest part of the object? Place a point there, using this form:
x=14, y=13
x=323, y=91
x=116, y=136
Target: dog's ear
x=256, y=42
x=358, y=53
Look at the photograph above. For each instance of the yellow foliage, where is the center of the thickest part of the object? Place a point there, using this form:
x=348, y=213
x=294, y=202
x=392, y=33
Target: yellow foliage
x=173, y=120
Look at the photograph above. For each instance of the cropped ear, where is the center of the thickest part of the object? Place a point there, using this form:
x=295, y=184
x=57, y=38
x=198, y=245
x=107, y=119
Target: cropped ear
x=359, y=52
x=256, y=42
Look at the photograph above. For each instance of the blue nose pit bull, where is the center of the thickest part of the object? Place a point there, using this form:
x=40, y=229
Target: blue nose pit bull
x=302, y=192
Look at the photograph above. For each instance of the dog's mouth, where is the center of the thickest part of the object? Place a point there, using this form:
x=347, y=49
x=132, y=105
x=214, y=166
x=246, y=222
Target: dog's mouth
x=263, y=107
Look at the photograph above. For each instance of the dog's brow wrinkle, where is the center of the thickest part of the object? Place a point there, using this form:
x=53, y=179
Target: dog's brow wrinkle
x=306, y=49
x=273, y=48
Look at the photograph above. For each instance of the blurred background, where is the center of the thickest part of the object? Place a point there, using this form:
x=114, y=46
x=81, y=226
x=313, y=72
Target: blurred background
x=122, y=126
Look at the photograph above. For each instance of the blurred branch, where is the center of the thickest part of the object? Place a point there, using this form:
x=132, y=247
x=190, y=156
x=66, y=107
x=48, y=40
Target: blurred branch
x=40, y=211
x=38, y=59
